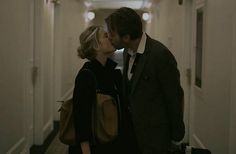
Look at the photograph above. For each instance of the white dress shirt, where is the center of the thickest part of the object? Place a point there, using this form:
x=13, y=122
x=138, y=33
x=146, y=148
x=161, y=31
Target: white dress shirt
x=140, y=50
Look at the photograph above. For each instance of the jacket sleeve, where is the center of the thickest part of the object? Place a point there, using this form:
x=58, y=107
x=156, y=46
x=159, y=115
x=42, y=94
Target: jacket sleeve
x=169, y=78
x=84, y=96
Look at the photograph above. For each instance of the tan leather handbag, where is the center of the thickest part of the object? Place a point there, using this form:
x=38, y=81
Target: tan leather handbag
x=66, y=123
x=105, y=125
x=104, y=119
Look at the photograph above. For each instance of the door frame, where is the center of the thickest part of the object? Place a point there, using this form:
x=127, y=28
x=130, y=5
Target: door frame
x=196, y=4
x=38, y=73
x=43, y=128
x=187, y=66
x=29, y=59
x=232, y=127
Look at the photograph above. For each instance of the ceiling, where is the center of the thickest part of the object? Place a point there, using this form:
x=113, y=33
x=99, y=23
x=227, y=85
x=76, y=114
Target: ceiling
x=114, y=4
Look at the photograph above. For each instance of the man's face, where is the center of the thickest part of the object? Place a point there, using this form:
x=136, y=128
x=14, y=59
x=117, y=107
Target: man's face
x=116, y=40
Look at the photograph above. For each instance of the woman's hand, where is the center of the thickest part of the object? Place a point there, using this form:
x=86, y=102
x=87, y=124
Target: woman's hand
x=85, y=147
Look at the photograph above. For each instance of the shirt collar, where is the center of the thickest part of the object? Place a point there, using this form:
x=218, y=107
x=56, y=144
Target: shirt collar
x=141, y=46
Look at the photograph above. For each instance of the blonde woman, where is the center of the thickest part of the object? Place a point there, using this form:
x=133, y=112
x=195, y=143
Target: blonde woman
x=96, y=47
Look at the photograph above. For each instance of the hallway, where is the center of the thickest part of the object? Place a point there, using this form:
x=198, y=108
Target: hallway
x=38, y=64
x=51, y=145
x=57, y=147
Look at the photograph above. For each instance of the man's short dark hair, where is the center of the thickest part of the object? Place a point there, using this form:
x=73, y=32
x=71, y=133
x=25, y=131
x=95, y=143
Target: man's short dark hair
x=125, y=21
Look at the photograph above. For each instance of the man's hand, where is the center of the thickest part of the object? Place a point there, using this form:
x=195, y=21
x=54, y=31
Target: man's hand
x=85, y=148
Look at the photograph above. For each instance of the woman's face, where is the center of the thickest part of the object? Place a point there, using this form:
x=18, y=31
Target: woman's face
x=105, y=45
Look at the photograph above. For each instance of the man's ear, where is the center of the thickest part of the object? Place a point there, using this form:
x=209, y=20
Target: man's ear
x=126, y=38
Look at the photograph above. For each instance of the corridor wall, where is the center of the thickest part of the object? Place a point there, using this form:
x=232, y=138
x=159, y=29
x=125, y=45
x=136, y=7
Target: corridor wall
x=16, y=46
x=70, y=21
x=38, y=63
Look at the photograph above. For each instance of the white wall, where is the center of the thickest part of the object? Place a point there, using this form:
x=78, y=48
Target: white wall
x=15, y=54
x=101, y=14
x=168, y=26
x=232, y=128
x=26, y=41
x=69, y=23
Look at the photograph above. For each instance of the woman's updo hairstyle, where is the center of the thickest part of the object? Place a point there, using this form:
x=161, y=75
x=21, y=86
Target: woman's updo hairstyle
x=88, y=42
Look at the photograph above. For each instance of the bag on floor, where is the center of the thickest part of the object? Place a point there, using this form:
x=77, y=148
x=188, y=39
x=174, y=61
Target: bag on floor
x=66, y=123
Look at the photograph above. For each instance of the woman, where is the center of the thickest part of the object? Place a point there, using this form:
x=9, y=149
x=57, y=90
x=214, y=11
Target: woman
x=98, y=73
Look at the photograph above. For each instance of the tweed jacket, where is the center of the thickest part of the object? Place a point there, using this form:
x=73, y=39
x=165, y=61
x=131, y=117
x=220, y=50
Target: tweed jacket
x=155, y=98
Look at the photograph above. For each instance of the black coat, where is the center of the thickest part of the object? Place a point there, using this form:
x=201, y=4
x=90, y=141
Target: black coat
x=155, y=98
x=84, y=96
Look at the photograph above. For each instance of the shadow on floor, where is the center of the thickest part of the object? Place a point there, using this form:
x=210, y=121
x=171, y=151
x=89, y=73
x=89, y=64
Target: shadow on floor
x=51, y=145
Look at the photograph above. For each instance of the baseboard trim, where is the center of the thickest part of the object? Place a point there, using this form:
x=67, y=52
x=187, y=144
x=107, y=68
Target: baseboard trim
x=198, y=141
x=17, y=147
x=67, y=95
x=47, y=129
x=39, y=149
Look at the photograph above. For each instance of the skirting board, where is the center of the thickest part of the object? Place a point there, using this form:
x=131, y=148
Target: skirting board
x=18, y=147
x=47, y=129
x=198, y=141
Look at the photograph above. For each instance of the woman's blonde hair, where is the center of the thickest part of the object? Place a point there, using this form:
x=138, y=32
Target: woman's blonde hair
x=89, y=40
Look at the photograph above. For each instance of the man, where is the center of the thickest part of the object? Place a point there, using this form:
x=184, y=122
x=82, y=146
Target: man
x=152, y=84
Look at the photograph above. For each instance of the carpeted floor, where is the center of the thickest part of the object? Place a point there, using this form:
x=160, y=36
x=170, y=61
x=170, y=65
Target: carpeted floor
x=56, y=147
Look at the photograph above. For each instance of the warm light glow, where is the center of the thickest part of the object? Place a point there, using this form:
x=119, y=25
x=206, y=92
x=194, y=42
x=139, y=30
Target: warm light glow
x=90, y=15
x=87, y=4
x=145, y=16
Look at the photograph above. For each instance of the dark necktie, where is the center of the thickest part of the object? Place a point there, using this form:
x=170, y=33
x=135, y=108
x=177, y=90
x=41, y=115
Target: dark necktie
x=127, y=64
x=135, y=63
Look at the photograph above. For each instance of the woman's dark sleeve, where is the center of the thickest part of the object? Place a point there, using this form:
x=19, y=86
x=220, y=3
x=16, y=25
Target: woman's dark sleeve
x=84, y=96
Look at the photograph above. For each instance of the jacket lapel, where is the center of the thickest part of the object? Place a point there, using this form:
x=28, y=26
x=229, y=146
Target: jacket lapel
x=125, y=69
x=140, y=65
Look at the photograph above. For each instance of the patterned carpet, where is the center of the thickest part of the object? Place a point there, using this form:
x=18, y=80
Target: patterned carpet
x=56, y=147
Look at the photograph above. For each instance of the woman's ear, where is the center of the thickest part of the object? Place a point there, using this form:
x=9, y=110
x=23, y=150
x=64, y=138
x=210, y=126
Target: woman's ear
x=96, y=47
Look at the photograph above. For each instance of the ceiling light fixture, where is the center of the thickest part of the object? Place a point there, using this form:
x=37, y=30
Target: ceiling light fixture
x=146, y=16
x=90, y=15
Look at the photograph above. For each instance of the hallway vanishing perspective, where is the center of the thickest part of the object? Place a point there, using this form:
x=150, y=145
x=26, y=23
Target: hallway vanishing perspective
x=39, y=62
